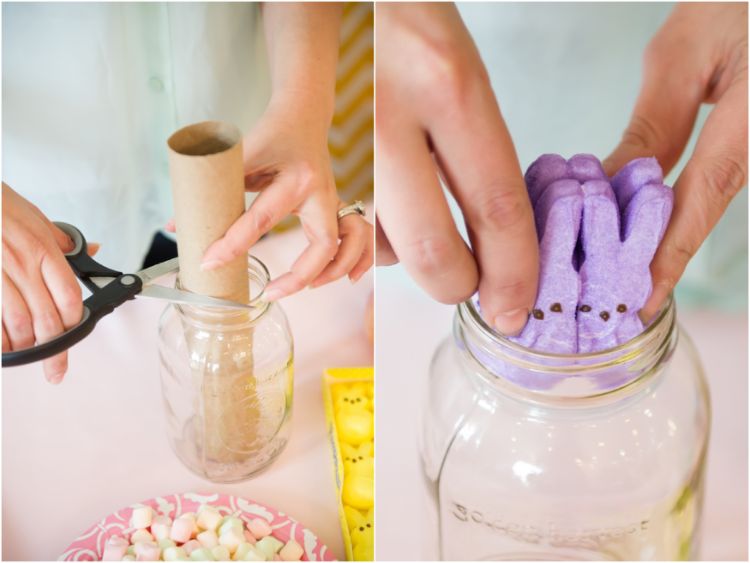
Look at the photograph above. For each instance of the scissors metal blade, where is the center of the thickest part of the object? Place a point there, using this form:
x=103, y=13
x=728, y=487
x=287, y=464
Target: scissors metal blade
x=187, y=298
x=152, y=273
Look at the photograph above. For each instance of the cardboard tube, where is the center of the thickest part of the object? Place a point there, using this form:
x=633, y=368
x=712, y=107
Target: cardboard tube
x=207, y=174
x=208, y=188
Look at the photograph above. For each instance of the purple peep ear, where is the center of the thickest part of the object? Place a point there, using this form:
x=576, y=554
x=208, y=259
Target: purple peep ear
x=542, y=172
x=633, y=176
x=585, y=167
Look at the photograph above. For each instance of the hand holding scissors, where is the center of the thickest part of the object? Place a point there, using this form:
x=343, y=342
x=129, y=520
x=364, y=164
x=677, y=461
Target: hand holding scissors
x=109, y=289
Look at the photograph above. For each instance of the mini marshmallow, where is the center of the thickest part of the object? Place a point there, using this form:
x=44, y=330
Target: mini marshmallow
x=141, y=517
x=191, y=516
x=164, y=543
x=231, y=539
x=201, y=554
x=160, y=526
x=292, y=551
x=115, y=548
x=252, y=554
x=208, y=539
x=208, y=518
x=147, y=552
x=230, y=522
x=221, y=553
x=249, y=537
x=182, y=530
x=141, y=536
x=190, y=546
x=173, y=553
x=241, y=550
x=259, y=527
x=268, y=546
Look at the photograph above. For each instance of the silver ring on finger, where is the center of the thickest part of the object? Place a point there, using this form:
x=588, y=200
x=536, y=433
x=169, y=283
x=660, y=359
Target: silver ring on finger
x=356, y=208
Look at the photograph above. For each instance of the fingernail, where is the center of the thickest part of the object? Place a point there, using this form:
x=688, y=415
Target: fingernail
x=210, y=265
x=511, y=322
x=355, y=278
x=272, y=294
x=56, y=379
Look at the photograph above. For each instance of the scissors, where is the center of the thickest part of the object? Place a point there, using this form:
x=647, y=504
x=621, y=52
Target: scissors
x=109, y=289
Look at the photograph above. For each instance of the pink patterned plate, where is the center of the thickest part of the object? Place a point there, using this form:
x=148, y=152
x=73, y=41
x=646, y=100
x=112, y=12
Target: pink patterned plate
x=90, y=545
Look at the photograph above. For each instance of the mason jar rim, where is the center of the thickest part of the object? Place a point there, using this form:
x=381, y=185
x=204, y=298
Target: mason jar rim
x=200, y=315
x=542, y=375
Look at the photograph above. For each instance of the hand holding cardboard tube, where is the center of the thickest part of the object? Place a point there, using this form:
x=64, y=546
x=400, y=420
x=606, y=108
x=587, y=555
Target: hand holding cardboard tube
x=286, y=158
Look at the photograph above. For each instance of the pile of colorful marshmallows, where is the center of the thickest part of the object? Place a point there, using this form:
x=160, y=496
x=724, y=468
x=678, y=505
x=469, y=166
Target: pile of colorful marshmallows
x=207, y=536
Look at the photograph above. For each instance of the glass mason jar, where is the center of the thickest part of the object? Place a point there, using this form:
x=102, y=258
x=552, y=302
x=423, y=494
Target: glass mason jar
x=534, y=456
x=227, y=381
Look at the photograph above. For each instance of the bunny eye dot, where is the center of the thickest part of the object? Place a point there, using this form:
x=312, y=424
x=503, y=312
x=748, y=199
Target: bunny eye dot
x=584, y=308
x=538, y=314
x=621, y=308
x=604, y=315
x=556, y=308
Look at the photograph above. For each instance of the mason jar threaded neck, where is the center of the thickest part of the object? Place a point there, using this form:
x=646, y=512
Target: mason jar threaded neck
x=213, y=317
x=548, y=377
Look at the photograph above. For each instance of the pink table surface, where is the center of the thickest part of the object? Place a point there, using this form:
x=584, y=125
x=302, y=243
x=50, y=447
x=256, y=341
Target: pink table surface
x=97, y=442
x=408, y=329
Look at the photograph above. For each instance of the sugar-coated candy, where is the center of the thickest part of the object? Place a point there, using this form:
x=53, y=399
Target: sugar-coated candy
x=269, y=545
x=128, y=558
x=292, y=551
x=357, y=491
x=141, y=535
x=141, y=517
x=191, y=546
x=174, y=553
x=221, y=553
x=259, y=527
x=277, y=557
x=182, y=530
x=160, y=526
x=145, y=551
x=355, y=427
x=208, y=518
x=202, y=554
x=115, y=548
x=131, y=550
x=249, y=537
x=208, y=538
x=232, y=538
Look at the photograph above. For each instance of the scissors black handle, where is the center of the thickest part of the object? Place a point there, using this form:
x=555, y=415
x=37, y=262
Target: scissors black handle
x=101, y=302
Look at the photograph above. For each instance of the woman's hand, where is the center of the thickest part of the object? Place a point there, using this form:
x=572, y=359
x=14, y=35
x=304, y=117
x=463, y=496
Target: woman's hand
x=41, y=295
x=286, y=155
x=437, y=117
x=698, y=56
x=287, y=162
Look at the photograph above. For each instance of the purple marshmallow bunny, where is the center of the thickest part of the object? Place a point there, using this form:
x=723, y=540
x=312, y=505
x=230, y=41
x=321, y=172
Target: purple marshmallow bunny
x=593, y=281
x=622, y=226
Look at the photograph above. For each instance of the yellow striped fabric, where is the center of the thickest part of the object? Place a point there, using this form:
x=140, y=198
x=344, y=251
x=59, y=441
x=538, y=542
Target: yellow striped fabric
x=350, y=140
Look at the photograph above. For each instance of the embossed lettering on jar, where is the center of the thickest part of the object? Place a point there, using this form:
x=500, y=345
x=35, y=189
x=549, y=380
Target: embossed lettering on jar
x=541, y=456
